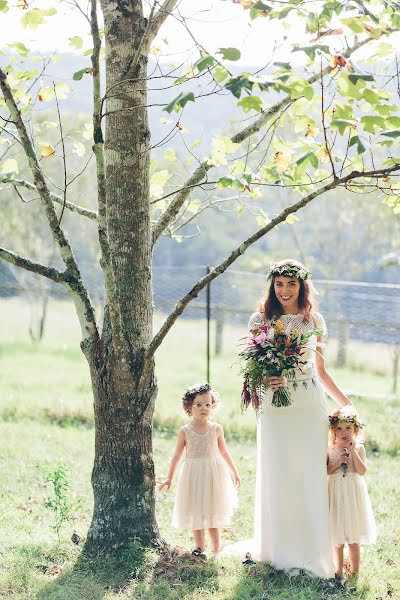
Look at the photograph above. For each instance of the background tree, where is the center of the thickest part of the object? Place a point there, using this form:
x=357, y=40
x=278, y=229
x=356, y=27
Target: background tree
x=312, y=126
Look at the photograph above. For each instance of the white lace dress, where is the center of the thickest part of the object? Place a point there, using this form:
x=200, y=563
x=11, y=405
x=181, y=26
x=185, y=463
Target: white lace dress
x=351, y=516
x=205, y=494
x=291, y=522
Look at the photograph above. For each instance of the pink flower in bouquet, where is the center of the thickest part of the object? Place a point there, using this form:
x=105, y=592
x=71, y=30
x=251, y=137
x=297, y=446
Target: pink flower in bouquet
x=262, y=337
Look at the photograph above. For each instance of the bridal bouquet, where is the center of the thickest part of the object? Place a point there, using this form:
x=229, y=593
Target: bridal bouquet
x=271, y=353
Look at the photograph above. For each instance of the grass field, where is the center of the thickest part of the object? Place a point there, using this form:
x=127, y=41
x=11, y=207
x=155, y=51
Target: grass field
x=46, y=419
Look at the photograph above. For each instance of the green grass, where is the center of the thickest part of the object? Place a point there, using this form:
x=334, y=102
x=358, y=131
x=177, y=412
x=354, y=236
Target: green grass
x=46, y=417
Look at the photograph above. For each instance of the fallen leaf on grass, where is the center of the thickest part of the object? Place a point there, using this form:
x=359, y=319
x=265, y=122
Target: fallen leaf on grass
x=54, y=570
x=75, y=538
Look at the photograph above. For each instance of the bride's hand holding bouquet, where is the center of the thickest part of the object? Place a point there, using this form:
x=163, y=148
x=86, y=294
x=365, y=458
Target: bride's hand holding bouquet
x=271, y=354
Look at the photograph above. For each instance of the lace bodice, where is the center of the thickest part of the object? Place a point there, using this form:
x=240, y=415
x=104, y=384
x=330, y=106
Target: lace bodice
x=333, y=454
x=201, y=445
x=291, y=322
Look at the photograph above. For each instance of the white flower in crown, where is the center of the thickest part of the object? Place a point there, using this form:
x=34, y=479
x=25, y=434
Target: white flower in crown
x=288, y=271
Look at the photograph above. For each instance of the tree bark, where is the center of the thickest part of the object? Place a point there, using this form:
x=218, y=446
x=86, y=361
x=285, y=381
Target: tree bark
x=124, y=384
x=123, y=471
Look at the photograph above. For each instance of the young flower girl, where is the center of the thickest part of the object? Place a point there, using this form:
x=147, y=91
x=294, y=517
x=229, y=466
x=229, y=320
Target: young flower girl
x=205, y=496
x=351, y=517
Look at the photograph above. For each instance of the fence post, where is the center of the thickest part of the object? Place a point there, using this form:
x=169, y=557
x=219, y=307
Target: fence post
x=219, y=326
x=208, y=301
x=343, y=338
x=396, y=356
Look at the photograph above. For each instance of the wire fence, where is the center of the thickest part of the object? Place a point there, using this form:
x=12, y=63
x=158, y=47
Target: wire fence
x=363, y=318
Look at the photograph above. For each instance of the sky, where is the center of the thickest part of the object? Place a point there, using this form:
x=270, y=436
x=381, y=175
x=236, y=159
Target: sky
x=214, y=23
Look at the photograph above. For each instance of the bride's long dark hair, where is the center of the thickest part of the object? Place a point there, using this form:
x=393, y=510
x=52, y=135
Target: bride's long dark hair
x=270, y=306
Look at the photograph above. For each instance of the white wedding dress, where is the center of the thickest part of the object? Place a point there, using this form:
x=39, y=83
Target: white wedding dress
x=291, y=523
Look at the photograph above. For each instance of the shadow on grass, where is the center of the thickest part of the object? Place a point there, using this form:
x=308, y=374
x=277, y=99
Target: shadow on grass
x=261, y=582
x=135, y=573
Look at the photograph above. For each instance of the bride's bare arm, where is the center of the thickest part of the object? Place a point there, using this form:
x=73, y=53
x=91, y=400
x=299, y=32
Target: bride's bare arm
x=326, y=379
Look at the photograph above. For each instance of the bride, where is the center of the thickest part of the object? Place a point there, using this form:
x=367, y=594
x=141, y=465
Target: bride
x=291, y=508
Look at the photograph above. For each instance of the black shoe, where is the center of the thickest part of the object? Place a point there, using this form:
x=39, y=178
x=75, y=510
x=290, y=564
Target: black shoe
x=248, y=559
x=198, y=553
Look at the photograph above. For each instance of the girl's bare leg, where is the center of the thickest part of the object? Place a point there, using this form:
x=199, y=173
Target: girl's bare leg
x=215, y=539
x=338, y=557
x=354, y=556
x=200, y=539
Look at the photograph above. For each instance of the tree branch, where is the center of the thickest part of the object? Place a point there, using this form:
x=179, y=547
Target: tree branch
x=196, y=178
x=30, y=265
x=160, y=17
x=98, y=149
x=219, y=269
x=73, y=276
x=84, y=212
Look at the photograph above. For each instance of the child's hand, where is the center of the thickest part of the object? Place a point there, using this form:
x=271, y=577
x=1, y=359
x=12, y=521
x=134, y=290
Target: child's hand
x=237, y=480
x=163, y=484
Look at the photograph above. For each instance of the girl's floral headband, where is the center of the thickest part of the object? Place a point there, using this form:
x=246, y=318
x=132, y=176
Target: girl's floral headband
x=288, y=271
x=201, y=388
x=334, y=420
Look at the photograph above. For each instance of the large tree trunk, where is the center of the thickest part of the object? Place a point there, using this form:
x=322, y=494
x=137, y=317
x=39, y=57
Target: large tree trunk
x=123, y=471
x=124, y=386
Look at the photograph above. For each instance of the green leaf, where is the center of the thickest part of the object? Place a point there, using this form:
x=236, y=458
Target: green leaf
x=342, y=124
x=158, y=181
x=393, y=122
x=370, y=123
x=170, y=154
x=391, y=160
x=204, y=62
x=77, y=76
x=8, y=168
x=356, y=77
x=371, y=96
x=194, y=206
x=354, y=23
x=344, y=111
x=220, y=147
x=76, y=42
x=348, y=89
x=22, y=50
x=3, y=6
x=283, y=65
x=364, y=9
x=360, y=146
x=35, y=17
x=236, y=84
x=230, y=53
x=220, y=74
x=385, y=109
x=292, y=219
x=179, y=102
x=251, y=103
x=238, y=183
x=384, y=49
x=308, y=157
x=391, y=134
x=298, y=87
x=311, y=50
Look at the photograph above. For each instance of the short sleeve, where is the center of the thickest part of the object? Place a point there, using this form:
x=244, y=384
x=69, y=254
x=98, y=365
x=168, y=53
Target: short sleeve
x=320, y=323
x=255, y=321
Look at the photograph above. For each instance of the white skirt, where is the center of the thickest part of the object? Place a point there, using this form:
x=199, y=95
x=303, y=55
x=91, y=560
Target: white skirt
x=291, y=521
x=205, y=495
x=351, y=516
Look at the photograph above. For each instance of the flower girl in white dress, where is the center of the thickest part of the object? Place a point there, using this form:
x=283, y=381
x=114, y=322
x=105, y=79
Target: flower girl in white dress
x=351, y=517
x=205, y=495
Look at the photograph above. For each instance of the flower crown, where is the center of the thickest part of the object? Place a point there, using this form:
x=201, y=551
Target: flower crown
x=334, y=420
x=199, y=388
x=288, y=271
